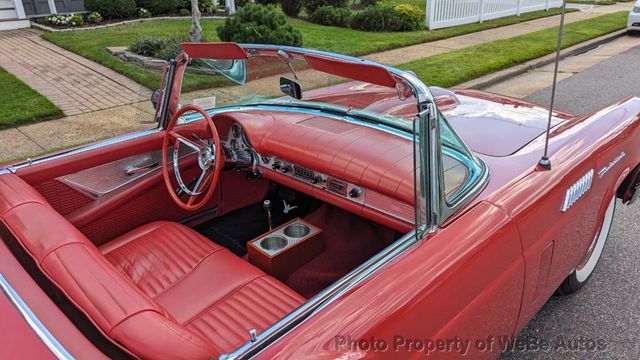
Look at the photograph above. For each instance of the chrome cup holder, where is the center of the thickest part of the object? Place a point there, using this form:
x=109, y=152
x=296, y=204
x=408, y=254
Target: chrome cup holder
x=297, y=230
x=273, y=243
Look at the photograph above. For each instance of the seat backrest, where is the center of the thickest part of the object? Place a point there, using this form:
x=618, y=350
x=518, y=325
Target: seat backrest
x=110, y=300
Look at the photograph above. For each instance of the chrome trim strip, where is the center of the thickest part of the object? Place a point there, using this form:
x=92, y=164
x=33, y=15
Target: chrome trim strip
x=321, y=300
x=38, y=327
x=131, y=136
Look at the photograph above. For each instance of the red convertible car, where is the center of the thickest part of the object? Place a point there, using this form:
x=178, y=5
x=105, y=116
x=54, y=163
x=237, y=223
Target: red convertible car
x=303, y=204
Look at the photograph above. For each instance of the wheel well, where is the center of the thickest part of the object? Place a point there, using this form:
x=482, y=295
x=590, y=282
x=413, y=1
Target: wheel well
x=627, y=191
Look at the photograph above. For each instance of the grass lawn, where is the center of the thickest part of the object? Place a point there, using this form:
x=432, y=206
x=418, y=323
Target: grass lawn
x=21, y=104
x=462, y=65
x=92, y=44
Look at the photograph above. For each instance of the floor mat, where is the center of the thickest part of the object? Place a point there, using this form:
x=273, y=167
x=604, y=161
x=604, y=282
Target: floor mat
x=238, y=227
x=349, y=241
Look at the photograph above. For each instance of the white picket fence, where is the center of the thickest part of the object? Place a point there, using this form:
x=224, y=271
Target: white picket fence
x=445, y=13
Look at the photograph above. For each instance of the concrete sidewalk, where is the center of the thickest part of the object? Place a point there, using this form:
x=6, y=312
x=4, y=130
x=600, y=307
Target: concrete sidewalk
x=74, y=84
x=420, y=51
x=124, y=105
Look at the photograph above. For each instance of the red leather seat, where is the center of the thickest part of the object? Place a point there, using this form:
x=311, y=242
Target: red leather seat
x=160, y=291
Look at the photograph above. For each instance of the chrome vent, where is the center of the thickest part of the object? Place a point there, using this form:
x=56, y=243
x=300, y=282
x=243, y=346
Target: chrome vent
x=575, y=192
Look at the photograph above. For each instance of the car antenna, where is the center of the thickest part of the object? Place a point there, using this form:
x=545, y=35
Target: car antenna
x=544, y=162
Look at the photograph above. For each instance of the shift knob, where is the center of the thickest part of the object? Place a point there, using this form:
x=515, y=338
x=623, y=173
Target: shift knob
x=266, y=205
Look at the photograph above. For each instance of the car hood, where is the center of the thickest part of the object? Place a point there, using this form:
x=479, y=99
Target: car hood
x=489, y=124
x=496, y=125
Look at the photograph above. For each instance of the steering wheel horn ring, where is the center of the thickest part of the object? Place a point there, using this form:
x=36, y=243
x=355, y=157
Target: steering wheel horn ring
x=208, y=160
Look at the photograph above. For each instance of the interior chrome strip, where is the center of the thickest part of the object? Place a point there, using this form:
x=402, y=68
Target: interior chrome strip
x=38, y=327
x=323, y=299
x=14, y=168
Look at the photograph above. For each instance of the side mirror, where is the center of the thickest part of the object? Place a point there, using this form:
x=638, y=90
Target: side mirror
x=291, y=88
x=155, y=99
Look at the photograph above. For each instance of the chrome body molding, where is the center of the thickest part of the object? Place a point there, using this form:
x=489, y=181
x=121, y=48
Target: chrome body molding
x=324, y=298
x=575, y=192
x=100, y=144
x=613, y=163
x=36, y=325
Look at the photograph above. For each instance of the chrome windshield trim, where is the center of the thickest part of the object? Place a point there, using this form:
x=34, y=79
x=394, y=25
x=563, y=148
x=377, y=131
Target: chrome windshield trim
x=100, y=144
x=36, y=325
x=322, y=300
x=421, y=90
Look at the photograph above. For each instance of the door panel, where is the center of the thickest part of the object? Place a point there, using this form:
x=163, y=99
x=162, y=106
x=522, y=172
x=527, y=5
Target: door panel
x=35, y=7
x=143, y=200
x=465, y=282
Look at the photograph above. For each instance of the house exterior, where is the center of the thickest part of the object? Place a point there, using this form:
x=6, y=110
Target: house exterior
x=15, y=14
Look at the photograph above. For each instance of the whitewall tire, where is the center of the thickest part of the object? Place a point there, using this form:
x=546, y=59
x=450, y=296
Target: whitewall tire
x=583, y=272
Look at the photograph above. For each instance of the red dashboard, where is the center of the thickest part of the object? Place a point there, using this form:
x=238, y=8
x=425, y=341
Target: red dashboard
x=365, y=170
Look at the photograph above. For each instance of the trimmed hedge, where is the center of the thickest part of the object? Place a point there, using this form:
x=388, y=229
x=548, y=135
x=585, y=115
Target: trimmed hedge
x=159, y=7
x=403, y=17
x=112, y=9
x=261, y=24
x=313, y=5
x=331, y=16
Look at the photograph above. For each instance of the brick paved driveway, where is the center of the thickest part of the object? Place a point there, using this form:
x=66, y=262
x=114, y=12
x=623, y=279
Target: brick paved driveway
x=74, y=84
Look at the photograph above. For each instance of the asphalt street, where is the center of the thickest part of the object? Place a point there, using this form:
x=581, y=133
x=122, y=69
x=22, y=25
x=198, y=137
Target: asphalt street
x=607, y=310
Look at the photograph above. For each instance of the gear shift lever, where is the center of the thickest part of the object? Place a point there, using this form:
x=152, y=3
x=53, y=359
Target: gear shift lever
x=266, y=205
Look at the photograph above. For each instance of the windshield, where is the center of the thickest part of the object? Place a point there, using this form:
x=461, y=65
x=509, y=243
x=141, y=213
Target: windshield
x=258, y=82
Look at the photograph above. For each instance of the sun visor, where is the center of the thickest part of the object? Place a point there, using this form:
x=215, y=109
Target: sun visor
x=216, y=50
x=352, y=70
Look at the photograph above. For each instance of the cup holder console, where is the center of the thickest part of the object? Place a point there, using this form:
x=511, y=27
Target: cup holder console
x=273, y=243
x=297, y=230
x=284, y=249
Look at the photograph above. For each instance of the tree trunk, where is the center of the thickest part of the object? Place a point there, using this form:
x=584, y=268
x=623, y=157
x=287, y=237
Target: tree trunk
x=196, y=29
x=230, y=6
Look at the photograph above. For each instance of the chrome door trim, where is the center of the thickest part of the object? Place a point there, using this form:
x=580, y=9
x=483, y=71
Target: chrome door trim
x=322, y=300
x=98, y=145
x=36, y=325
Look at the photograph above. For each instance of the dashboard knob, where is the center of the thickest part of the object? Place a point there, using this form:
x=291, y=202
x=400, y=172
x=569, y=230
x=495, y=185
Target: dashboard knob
x=286, y=169
x=355, y=192
x=276, y=165
x=316, y=180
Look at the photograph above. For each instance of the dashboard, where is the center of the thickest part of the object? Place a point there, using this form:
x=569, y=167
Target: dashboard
x=296, y=169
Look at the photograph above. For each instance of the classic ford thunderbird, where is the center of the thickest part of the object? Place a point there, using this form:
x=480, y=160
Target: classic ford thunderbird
x=302, y=204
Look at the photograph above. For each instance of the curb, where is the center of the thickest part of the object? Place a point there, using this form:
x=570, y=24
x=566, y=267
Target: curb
x=502, y=75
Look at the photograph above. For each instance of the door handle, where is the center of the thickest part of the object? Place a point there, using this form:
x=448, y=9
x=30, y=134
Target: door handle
x=133, y=169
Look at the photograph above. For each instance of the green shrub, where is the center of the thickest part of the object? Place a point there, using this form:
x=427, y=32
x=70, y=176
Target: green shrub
x=313, y=5
x=262, y=24
x=76, y=20
x=377, y=18
x=410, y=16
x=240, y=3
x=291, y=7
x=206, y=6
x=172, y=47
x=148, y=46
x=94, y=18
x=331, y=16
x=144, y=13
x=266, y=2
x=158, y=7
x=112, y=9
x=369, y=2
x=185, y=12
x=65, y=20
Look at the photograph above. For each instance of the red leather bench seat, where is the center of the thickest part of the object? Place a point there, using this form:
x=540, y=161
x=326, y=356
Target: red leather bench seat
x=160, y=291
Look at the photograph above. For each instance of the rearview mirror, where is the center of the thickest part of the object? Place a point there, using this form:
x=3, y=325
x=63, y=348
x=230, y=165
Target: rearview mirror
x=291, y=88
